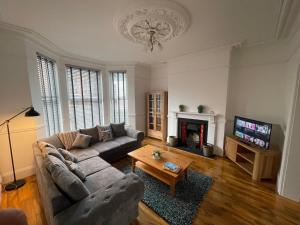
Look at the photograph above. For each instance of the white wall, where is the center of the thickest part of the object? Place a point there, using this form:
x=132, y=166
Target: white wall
x=289, y=179
x=159, y=77
x=142, y=86
x=259, y=87
x=200, y=79
x=15, y=96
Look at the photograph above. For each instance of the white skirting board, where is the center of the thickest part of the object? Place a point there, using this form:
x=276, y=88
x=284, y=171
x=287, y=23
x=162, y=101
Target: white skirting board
x=20, y=173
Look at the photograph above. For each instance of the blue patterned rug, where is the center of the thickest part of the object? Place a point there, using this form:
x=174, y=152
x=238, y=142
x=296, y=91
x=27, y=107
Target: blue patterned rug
x=178, y=210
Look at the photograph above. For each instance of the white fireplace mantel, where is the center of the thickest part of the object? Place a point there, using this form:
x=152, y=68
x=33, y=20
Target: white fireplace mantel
x=210, y=117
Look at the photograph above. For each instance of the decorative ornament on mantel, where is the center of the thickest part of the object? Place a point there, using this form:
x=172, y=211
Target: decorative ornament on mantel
x=153, y=22
x=200, y=108
x=181, y=108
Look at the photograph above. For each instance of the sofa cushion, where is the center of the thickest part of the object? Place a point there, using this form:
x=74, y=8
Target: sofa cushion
x=126, y=142
x=81, y=141
x=67, y=138
x=54, y=152
x=103, y=179
x=83, y=154
x=93, y=165
x=76, y=169
x=53, y=140
x=68, y=182
x=92, y=132
x=67, y=155
x=118, y=129
x=105, y=133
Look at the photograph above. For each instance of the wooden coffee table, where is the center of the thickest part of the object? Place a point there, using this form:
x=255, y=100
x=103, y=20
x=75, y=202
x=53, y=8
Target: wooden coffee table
x=142, y=159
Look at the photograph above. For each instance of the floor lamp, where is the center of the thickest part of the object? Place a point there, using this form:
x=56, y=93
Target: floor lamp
x=30, y=112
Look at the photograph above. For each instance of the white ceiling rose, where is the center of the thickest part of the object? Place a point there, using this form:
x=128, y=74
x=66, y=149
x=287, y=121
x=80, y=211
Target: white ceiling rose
x=152, y=22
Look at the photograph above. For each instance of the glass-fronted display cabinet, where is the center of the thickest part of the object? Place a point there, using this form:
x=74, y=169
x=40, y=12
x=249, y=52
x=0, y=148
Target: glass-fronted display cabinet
x=157, y=109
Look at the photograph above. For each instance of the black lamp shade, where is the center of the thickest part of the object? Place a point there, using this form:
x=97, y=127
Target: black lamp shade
x=31, y=113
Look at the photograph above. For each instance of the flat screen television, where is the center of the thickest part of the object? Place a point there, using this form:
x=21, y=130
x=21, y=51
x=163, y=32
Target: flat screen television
x=253, y=131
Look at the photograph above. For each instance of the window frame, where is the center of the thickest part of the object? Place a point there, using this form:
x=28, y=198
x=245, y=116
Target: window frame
x=54, y=97
x=112, y=98
x=100, y=100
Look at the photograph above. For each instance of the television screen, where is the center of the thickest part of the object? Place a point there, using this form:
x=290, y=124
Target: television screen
x=252, y=131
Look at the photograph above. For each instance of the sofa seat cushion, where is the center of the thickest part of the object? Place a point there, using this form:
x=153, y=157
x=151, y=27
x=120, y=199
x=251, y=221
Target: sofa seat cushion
x=103, y=178
x=106, y=146
x=83, y=154
x=126, y=142
x=109, y=151
x=93, y=165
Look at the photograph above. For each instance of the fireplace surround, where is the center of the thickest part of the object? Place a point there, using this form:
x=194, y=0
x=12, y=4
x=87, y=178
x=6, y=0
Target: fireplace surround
x=194, y=122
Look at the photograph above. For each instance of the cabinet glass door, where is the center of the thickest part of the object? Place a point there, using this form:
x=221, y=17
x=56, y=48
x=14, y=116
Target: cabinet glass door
x=158, y=112
x=151, y=111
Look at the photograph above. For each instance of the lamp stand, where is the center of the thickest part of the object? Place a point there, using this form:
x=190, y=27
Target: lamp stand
x=16, y=183
x=30, y=112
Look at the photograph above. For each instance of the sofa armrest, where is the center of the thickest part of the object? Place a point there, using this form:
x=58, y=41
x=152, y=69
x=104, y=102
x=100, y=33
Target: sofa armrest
x=114, y=204
x=136, y=134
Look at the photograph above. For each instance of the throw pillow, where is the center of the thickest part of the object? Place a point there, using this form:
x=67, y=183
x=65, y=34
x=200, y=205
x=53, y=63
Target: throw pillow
x=68, y=155
x=67, y=138
x=92, y=132
x=106, y=136
x=68, y=182
x=105, y=133
x=81, y=141
x=118, y=129
x=76, y=170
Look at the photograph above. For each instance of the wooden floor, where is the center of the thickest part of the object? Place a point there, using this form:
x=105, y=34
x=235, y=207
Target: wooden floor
x=233, y=199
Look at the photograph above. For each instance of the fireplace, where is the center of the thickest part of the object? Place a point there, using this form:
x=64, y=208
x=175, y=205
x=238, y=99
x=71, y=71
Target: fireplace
x=192, y=134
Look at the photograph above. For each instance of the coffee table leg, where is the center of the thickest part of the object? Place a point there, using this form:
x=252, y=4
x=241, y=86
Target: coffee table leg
x=133, y=165
x=186, y=175
x=173, y=188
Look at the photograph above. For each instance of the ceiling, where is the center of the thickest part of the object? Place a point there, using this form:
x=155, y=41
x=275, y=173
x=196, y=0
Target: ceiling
x=86, y=28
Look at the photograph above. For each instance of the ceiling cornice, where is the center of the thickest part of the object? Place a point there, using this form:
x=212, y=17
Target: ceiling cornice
x=45, y=43
x=288, y=19
x=33, y=36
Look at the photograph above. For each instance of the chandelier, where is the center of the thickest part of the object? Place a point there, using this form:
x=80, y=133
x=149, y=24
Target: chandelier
x=151, y=33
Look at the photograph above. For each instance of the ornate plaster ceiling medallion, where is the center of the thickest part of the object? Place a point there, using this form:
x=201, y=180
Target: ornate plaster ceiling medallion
x=153, y=23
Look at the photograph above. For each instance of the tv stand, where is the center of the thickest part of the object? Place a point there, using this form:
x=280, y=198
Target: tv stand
x=257, y=162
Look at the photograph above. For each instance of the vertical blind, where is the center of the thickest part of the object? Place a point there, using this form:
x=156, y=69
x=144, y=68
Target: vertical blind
x=85, y=97
x=51, y=105
x=118, y=97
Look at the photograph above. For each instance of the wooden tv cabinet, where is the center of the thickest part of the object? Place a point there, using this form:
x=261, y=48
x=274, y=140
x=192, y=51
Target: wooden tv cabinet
x=259, y=163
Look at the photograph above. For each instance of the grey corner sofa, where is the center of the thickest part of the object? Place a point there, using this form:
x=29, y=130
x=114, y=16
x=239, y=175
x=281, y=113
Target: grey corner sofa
x=114, y=196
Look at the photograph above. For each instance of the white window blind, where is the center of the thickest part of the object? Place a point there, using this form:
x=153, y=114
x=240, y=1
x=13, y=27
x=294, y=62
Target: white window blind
x=85, y=97
x=51, y=105
x=118, y=97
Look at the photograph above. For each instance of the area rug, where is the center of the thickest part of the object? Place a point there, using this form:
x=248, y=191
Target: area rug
x=178, y=210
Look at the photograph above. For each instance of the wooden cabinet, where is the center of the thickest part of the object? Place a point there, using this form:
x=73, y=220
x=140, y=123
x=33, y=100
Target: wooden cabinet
x=259, y=163
x=157, y=110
